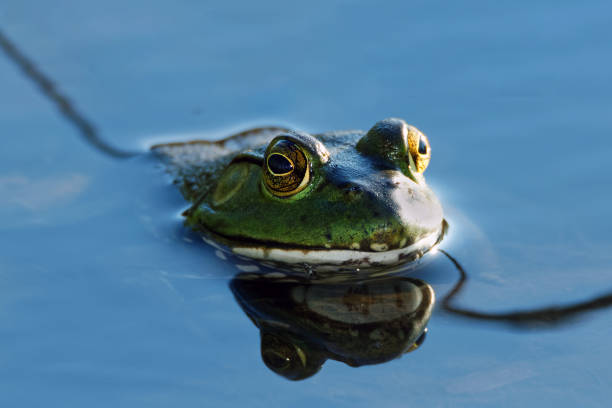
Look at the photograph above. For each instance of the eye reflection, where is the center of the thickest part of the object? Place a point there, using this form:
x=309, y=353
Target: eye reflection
x=286, y=358
x=418, y=342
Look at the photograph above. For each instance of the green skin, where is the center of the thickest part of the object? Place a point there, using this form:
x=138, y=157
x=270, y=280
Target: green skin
x=358, y=194
x=364, y=194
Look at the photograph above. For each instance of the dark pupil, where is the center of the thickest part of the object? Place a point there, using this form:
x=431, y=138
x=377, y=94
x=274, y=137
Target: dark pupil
x=279, y=164
x=422, y=146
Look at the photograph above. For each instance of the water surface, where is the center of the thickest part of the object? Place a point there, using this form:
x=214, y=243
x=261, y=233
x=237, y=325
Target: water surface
x=105, y=300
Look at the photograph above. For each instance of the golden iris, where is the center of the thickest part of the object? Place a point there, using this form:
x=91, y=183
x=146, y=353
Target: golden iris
x=286, y=171
x=419, y=148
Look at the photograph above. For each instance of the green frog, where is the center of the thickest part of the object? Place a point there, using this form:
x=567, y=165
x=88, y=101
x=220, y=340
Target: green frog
x=339, y=199
x=349, y=199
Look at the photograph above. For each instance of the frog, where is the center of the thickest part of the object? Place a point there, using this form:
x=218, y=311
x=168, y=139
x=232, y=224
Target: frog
x=340, y=199
x=303, y=323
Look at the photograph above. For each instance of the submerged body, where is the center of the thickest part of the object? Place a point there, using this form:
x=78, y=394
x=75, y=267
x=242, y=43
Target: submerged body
x=349, y=198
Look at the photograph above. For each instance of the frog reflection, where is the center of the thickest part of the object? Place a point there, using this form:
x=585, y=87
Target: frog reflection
x=305, y=323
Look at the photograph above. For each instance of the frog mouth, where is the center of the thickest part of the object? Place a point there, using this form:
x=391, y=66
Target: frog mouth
x=354, y=258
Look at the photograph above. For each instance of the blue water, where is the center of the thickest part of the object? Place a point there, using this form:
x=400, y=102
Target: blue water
x=105, y=300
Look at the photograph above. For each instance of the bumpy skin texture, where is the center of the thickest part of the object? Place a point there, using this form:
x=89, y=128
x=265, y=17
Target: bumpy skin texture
x=365, y=190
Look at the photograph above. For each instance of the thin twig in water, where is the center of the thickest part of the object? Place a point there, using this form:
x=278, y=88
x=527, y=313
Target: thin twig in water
x=546, y=316
x=48, y=88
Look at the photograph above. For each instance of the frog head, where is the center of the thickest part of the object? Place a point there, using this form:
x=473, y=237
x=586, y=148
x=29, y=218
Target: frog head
x=338, y=198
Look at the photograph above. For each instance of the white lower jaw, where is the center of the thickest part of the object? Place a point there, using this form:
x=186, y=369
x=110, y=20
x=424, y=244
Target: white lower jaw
x=340, y=257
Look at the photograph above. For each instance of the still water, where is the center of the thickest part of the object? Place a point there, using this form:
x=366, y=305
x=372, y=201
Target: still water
x=106, y=300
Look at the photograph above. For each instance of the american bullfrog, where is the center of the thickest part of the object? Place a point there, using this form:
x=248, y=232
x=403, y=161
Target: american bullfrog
x=344, y=198
x=303, y=323
x=339, y=198
x=350, y=198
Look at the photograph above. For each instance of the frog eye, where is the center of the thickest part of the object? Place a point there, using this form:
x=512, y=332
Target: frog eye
x=286, y=168
x=419, y=149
